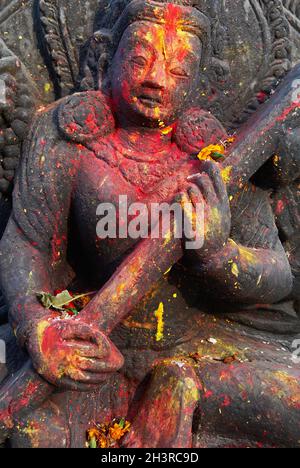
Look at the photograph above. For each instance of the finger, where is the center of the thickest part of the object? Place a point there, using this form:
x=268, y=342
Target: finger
x=25, y=102
x=67, y=383
x=214, y=172
x=190, y=221
x=207, y=189
x=195, y=195
x=88, y=350
x=85, y=376
x=9, y=80
x=7, y=100
x=10, y=93
x=7, y=108
x=184, y=200
x=75, y=330
x=197, y=218
x=78, y=331
x=8, y=96
x=94, y=365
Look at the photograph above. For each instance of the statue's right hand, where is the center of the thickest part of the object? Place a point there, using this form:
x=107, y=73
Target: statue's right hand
x=72, y=354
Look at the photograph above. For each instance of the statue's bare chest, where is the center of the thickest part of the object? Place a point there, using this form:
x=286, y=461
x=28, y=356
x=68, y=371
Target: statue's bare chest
x=104, y=184
x=139, y=169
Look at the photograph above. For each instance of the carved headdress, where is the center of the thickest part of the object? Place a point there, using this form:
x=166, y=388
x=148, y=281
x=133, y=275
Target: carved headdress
x=187, y=17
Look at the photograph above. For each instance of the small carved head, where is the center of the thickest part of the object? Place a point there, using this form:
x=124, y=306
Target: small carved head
x=150, y=59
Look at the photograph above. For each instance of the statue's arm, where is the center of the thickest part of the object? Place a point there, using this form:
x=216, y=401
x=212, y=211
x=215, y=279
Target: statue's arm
x=247, y=275
x=33, y=247
x=252, y=266
x=24, y=272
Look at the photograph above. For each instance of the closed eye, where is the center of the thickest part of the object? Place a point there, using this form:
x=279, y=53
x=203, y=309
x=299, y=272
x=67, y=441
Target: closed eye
x=178, y=71
x=140, y=60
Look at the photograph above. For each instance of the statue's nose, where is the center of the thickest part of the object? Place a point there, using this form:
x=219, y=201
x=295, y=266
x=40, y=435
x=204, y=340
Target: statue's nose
x=157, y=77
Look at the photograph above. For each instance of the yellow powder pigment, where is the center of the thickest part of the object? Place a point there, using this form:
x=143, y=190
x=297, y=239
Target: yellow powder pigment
x=159, y=314
x=226, y=173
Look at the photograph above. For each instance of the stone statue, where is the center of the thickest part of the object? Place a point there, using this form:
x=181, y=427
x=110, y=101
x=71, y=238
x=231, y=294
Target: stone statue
x=193, y=347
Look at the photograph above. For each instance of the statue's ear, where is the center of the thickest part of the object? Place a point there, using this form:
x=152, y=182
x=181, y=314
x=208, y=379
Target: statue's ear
x=197, y=129
x=84, y=117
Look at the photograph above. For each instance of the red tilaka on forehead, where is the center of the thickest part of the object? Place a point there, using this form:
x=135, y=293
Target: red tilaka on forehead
x=173, y=17
x=169, y=14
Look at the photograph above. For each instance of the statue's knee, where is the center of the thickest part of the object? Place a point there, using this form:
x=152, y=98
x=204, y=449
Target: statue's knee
x=45, y=427
x=175, y=367
x=178, y=377
x=163, y=413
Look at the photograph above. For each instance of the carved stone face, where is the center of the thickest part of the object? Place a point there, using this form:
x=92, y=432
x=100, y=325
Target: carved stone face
x=153, y=72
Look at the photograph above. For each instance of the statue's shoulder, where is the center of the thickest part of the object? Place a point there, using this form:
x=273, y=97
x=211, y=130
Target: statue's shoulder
x=79, y=119
x=197, y=129
x=85, y=116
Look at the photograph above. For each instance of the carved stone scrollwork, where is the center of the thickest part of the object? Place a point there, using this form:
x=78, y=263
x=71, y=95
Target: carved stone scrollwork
x=272, y=19
x=18, y=101
x=292, y=12
x=63, y=55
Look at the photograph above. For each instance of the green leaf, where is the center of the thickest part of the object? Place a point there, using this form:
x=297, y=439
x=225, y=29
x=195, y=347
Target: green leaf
x=60, y=300
x=93, y=443
x=45, y=299
x=217, y=155
x=122, y=423
x=57, y=302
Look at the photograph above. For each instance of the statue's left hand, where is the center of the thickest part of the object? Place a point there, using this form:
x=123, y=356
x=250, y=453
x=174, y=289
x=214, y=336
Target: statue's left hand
x=72, y=354
x=209, y=190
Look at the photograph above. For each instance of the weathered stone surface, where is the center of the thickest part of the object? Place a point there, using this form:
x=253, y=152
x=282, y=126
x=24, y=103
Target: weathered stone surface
x=195, y=346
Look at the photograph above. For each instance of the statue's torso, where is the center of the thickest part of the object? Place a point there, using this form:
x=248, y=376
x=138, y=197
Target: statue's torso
x=109, y=175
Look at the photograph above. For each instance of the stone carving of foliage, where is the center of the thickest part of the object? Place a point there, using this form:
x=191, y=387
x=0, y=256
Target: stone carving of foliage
x=63, y=54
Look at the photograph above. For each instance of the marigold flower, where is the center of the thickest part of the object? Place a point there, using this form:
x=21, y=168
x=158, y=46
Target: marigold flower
x=116, y=432
x=106, y=435
x=211, y=152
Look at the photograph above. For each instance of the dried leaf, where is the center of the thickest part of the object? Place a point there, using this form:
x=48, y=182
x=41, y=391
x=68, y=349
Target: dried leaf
x=59, y=301
x=62, y=299
x=45, y=299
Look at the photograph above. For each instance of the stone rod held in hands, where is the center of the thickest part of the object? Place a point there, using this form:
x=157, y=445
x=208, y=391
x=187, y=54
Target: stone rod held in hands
x=266, y=127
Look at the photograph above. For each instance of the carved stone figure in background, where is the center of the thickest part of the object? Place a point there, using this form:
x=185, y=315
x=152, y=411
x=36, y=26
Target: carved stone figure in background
x=219, y=373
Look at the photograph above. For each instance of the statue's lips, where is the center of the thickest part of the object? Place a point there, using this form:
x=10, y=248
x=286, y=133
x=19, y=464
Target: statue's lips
x=150, y=101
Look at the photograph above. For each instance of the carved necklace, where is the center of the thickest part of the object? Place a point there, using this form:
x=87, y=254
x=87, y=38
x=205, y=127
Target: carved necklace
x=137, y=167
